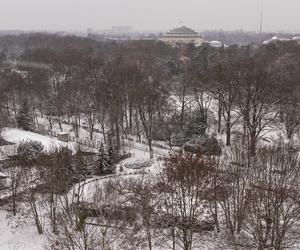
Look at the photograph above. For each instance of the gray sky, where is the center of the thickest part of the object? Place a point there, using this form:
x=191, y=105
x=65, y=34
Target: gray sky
x=279, y=15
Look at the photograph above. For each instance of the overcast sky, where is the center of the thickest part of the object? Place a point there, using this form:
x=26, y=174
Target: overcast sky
x=73, y=15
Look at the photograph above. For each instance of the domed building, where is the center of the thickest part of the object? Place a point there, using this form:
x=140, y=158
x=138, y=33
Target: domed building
x=182, y=35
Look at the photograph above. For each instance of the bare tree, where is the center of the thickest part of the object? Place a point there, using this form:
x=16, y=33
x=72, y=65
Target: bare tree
x=140, y=194
x=56, y=175
x=235, y=184
x=256, y=98
x=225, y=75
x=286, y=74
x=31, y=182
x=273, y=199
x=15, y=174
x=185, y=183
x=149, y=96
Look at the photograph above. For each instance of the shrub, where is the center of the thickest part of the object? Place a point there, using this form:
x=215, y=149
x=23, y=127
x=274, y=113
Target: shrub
x=24, y=118
x=29, y=150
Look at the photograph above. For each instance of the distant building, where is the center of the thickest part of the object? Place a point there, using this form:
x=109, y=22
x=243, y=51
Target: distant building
x=296, y=38
x=216, y=44
x=182, y=35
x=277, y=39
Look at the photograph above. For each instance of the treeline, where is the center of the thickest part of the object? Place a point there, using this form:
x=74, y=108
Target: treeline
x=14, y=45
x=151, y=90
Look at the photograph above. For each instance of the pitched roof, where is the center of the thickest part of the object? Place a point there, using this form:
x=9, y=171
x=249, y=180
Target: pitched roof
x=182, y=30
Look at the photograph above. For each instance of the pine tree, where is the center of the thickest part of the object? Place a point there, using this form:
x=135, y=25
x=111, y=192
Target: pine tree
x=110, y=155
x=24, y=118
x=81, y=170
x=197, y=126
x=104, y=161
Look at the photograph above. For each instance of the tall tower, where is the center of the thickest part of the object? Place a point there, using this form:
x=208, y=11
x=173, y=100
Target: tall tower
x=261, y=20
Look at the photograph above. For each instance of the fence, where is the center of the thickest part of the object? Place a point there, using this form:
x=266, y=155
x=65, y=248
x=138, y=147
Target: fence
x=129, y=139
x=81, y=141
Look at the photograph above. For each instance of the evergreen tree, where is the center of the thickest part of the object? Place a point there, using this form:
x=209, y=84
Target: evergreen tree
x=81, y=170
x=197, y=126
x=29, y=150
x=110, y=155
x=24, y=118
x=104, y=161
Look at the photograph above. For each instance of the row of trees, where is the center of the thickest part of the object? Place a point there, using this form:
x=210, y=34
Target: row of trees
x=253, y=87
x=151, y=90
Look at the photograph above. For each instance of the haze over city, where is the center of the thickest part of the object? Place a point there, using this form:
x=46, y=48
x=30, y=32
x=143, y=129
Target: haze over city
x=156, y=15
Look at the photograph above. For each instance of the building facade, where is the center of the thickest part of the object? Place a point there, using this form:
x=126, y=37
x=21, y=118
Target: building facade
x=182, y=35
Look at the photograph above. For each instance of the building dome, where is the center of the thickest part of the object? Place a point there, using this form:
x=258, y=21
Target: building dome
x=182, y=30
x=182, y=35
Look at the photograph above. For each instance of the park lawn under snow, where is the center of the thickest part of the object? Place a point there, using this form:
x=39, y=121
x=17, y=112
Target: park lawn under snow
x=17, y=136
x=17, y=237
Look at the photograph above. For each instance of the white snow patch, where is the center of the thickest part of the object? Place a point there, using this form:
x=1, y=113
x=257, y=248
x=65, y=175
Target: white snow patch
x=19, y=238
x=17, y=136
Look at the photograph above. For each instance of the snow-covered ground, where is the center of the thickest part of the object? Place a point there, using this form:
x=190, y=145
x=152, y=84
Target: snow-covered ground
x=14, y=236
x=26, y=236
x=17, y=136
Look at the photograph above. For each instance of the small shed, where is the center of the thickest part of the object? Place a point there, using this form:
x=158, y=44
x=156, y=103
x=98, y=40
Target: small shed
x=63, y=136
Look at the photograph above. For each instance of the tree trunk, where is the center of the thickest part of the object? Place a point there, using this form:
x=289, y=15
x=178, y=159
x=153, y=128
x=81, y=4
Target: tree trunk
x=91, y=134
x=138, y=129
x=14, y=205
x=130, y=118
x=36, y=217
x=185, y=240
x=252, y=143
x=228, y=128
x=219, y=117
x=150, y=147
x=173, y=239
x=103, y=132
x=118, y=146
x=182, y=108
x=60, y=124
x=50, y=123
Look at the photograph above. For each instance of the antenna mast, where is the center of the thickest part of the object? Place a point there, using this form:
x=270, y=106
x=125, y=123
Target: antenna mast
x=261, y=20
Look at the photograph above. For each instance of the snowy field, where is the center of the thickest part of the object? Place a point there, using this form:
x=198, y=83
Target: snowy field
x=14, y=236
